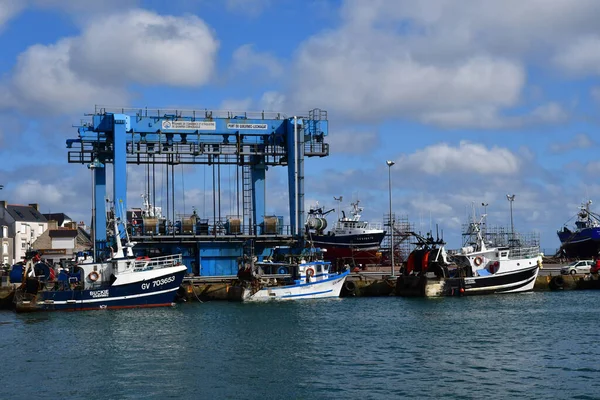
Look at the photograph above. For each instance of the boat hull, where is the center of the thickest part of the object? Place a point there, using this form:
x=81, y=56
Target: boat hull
x=512, y=282
x=360, y=248
x=580, y=244
x=328, y=288
x=159, y=291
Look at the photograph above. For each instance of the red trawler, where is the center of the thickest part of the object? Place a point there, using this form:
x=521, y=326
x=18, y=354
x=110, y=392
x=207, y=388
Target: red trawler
x=351, y=241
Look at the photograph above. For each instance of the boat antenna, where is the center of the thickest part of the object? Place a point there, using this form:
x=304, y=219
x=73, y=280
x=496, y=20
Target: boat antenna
x=338, y=199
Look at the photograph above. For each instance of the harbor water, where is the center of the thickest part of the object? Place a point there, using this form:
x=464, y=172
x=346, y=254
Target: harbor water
x=528, y=346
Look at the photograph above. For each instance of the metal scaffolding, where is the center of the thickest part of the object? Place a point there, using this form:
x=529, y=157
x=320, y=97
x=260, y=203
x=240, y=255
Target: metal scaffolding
x=402, y=243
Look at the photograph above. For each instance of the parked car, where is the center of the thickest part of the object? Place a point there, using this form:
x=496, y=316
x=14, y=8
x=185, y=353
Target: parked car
x=595, y=268
x=577, y=267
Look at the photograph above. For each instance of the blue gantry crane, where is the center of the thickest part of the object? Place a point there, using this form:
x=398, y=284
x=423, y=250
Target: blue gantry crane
x=251, y=141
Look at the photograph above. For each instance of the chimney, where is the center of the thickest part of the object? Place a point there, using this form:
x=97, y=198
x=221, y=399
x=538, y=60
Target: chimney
x=52, y=224
x=2, y=203
x=35, y=205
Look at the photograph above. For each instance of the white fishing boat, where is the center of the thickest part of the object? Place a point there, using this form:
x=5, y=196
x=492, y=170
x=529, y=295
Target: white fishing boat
x=479, y=268
x=270, y=281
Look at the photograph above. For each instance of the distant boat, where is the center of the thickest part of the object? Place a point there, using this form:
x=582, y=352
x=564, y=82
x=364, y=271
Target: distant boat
x=276, y=281
x=122, y=281
x=477, y=269
x=584, y=240
x=351, y=240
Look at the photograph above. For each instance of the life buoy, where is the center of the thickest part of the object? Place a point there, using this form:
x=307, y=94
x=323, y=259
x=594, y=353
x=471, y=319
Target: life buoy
x=478, y=260
x=93, y=276
x=310, y=272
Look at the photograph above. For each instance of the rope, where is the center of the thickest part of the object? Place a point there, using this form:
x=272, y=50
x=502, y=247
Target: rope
x=195, y=295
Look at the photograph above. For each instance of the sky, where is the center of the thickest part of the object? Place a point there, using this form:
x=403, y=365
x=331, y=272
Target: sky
x=472, y=100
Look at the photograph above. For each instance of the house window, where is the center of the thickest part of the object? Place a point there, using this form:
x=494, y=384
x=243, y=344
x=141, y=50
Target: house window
x=5, y=231
x=4, y=248
x=24, y=245
x=40, y=229
x=5, y=260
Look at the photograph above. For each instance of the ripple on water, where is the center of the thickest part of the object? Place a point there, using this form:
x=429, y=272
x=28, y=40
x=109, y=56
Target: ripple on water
x=514, y=346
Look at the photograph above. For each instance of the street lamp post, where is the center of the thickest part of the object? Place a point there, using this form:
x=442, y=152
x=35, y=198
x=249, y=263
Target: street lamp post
x=389, y=164
x=511, y=199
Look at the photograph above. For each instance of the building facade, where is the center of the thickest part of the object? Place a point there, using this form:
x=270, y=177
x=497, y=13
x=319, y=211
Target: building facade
x=20, y=227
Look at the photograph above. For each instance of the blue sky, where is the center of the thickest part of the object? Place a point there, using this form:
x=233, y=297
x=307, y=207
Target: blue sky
x=472, y=100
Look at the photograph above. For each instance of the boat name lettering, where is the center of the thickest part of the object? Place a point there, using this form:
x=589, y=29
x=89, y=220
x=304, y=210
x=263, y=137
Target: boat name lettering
x=164, y=281
x=202, y=125
x=99, y=293
x=248, y=126
x=469, y=281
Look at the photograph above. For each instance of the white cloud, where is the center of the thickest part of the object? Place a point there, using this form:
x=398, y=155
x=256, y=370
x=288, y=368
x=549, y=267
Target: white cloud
x=29, y=191
x=352, y=142
x=8, y=9
x=486, y=117
x=593, y=168
x=345, y=73
x=595, y=93
x=272, y=101
x=490, y=117
x=581, y=57
x=236, y=104
x=467, y=157
x=269, y=102
x=427, y=204
x=147, y=48
x=42, y=80
x=245, y=58
x=85, y=9
x=579, y=141
x=456, y=64
x=96, y=67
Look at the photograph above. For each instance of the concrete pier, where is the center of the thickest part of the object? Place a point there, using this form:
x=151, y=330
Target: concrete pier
x=376, y=282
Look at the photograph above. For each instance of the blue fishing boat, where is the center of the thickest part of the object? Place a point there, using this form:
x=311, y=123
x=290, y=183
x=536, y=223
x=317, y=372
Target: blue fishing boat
x=584, y=240
x=122, y=281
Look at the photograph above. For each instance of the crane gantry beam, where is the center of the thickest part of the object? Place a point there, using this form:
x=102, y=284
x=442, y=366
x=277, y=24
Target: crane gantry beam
x=146, y=136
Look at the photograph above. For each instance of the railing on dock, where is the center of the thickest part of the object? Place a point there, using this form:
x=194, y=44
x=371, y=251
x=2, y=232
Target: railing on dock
x=192, y=114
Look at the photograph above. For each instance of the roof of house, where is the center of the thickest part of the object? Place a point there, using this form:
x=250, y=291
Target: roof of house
x=25, y=213
x=63, y=233
x=58, y=217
